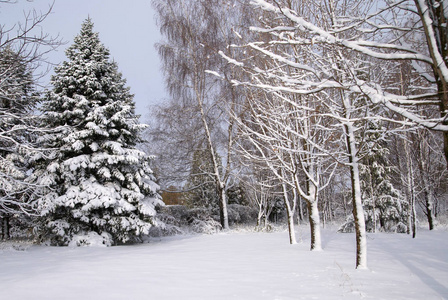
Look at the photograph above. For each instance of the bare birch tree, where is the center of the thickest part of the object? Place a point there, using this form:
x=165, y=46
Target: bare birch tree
x=22, y=58
x=194, y=31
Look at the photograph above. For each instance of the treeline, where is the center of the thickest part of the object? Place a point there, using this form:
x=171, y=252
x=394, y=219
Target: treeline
x=338, y=108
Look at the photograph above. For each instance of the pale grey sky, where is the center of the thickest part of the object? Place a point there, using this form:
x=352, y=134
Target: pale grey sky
x=127, y=29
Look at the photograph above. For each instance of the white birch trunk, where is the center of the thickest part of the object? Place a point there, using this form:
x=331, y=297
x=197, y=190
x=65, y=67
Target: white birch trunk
x=261, y=213
x=290, y=214
x=224, y=213
x=358, y=211
x=316, y=241
x=427, y=188
x=410, y=190
x=217, y=176
x=373, y=199
x=411, y=193
x=300, y=210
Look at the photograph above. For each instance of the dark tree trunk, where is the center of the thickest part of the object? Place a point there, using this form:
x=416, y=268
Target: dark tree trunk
x=6, y=228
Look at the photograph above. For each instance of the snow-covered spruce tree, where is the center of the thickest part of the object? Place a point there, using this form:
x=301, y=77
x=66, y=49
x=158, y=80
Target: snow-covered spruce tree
x=97, y=179
x=384, y=206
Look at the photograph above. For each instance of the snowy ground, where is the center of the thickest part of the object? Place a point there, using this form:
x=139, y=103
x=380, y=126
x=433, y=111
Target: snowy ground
x=234, y=265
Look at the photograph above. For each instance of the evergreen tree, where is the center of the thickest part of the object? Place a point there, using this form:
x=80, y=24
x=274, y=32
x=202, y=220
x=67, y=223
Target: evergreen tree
x=97, y=180
x=385, y=208
x=18, y=99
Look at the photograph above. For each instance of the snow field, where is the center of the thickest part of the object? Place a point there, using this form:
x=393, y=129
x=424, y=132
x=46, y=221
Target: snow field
x=233, y=265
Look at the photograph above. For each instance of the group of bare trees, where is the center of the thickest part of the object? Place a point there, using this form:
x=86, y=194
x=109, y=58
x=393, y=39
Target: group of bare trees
x=297, y=96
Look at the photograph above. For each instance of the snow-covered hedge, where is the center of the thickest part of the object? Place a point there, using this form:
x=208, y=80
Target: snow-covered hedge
x=241, y=214
x=180, y=219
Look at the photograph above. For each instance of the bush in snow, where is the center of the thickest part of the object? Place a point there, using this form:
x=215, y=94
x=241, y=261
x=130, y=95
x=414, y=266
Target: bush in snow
x=178, y=219
x=241, y=214
x=20, y=227
x=201, y=220
x=172, y=220
x=208, y=226
x=96, y=178
x=391, y=219
x=91, y=239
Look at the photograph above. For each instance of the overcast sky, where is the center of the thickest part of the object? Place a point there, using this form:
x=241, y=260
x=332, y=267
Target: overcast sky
x=126, y=28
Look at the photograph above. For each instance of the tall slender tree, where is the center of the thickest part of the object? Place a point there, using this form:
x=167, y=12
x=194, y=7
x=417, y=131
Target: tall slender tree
x=97, y=179
x=194, y=32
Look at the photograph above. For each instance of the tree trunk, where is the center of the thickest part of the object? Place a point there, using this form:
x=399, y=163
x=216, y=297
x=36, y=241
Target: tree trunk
x=220, y=184
x=358, y=215
x=373, y=199
x=413, y=217
x=358, y=211
x=260, y=215
x=316, y=241
x=427, y=188
x=290, y=214
x=324, y=210
x=324, y=216
x=5, y=228
x=344, y=199
x=266, y=221
x=408, y=182
x=300, y=208
x=429, y=209
x=224, y=217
